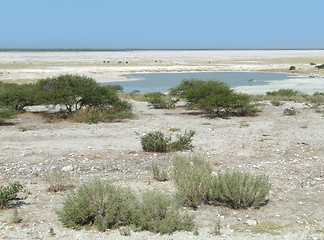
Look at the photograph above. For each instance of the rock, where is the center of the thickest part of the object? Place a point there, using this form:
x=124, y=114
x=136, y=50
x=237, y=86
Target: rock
x=68, y=168
x=251, y=222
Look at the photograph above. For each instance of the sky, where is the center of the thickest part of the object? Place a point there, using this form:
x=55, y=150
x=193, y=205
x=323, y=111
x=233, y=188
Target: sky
x=162, y=24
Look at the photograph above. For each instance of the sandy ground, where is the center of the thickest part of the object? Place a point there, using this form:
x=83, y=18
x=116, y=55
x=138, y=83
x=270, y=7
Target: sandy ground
x=289, y=149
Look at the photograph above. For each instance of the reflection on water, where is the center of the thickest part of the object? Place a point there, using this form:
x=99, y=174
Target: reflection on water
x=162, y=82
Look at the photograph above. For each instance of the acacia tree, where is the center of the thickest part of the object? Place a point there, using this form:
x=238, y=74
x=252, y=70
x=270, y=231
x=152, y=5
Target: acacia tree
x=75, y=92
x=214, y=97
x=15, y=97
x=68, y=90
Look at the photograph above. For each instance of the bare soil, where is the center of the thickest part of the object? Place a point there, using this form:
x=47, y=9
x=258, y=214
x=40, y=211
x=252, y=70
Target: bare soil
x=288, y=149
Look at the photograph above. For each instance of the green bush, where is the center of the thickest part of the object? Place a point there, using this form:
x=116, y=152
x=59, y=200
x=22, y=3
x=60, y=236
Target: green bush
x=16, y=218
x=58, y=180
x=158, y=174
x=276, y=103
x=6, y=114
x=320, y=66
x=192, y=178
x=158, y=213
x=98, y=203
x=105, y=206
x=159, y=100
x=183, y=141
x=292, y=68
x=239, y=190
x=291, y=95
x=158, y=142
x=289, y=111
x=195, y=185
x=284, y=93
x=120, y=110
x=9, y=193
x=135, y=96
x=216, y=228
x=317, y=98
x=155, y=142
x=214, y=98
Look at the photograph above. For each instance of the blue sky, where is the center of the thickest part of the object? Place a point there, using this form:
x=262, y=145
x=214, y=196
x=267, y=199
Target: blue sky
x=170, y=24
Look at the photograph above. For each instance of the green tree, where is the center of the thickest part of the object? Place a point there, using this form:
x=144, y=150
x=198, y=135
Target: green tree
x=214, y=97
x=16, y=97
x=75, y=92
x=68, y=90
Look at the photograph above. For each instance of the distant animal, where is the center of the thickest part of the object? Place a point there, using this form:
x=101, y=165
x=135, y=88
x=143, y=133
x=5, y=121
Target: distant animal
x=251, y=81
x=126, y=61
x=119, y=61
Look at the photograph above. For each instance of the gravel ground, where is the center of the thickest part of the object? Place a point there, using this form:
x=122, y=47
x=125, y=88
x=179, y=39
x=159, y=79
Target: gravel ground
x=289, y=149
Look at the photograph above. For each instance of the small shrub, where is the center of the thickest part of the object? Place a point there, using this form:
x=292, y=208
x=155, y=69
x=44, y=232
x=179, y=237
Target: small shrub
x=192, y=177
x=155, y=142
x=135, y=96
x=244, y=124
x=174, y=129
x=58, y=180
x=159, y=100
x=217, y=227
x=317, y=98
x=158, y=174
x=106, y=206
x=289, y=111
x=158, y=213
x=98, y=203
x=284, y=93
x=124, y=231
x=320, y=66
x=158, y=142
x=10, y=193
x=16, y=218
x=121, y=110
x=292, y=68
x=291, y=95
x=51, y=231
x=312, y=63
x=196, y=185
x=271, y=228
x=276, y=103
x=239, y=190
x=183, y=141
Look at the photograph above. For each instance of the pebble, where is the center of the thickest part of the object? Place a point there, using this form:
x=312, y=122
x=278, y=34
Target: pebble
x=251, y=222
x=68, y=168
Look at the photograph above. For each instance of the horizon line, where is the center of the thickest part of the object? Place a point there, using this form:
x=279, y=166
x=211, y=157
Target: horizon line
x=147, y=49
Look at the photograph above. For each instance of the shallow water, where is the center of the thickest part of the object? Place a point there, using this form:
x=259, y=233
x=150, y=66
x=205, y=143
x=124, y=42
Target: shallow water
x=162, y=82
